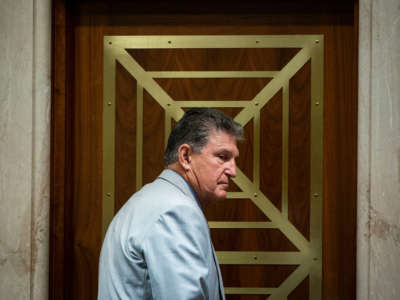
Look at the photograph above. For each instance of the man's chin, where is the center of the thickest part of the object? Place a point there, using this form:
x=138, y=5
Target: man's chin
x=216, y=196
x=221, y=195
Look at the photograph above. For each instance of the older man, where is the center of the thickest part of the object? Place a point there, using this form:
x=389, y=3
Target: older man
x=158, y=246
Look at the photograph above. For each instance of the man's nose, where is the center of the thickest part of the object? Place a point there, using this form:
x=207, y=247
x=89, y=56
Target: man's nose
x=231, y=168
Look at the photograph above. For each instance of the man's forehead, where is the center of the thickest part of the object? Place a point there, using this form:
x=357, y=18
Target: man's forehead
x=221, y=136
x=223, y=141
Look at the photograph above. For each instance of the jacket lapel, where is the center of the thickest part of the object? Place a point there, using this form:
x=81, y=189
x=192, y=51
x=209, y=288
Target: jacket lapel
x=177, y=180
x=220, y=283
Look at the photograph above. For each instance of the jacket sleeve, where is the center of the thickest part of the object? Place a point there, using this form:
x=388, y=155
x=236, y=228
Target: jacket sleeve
x=178, y=253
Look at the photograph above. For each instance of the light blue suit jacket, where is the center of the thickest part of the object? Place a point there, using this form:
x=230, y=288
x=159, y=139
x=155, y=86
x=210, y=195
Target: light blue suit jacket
x=158, y=246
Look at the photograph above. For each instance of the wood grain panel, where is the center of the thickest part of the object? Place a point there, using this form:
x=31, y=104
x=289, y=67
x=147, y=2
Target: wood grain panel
x=340, y=163
x=87, y=162
x=299, y=150
x=212, y=88
x=125, y=136
x=250, y=240
x=257, y=59
x=238, y=275
x=278, y=10
x=271, y=149
x=61, y=254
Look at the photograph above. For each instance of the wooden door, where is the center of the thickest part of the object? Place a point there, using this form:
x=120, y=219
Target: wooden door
x=287, y=229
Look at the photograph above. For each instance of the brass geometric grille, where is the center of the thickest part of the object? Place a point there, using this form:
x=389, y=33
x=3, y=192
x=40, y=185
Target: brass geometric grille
x=308, y=258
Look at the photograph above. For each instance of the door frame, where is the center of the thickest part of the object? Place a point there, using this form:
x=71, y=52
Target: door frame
x=62, y=120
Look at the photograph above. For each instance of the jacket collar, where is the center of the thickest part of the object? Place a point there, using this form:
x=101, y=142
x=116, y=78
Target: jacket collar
x=178, y=181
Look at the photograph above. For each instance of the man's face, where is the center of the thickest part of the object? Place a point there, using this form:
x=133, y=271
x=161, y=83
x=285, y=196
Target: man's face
x=214, y=166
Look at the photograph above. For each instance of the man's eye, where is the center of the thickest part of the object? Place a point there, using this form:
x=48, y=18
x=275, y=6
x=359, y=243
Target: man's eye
x=222, y=156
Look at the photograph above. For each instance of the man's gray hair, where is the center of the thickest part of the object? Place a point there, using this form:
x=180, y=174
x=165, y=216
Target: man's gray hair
x=194, y=129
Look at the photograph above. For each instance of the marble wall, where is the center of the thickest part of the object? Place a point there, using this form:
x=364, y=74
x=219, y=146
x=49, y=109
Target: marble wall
x=378, y=242
x=24, y=148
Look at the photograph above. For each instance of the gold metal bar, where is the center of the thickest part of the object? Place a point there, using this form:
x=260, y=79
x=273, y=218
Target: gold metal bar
x=260, y=258
x=217, y=224
x=316, y=197
x=210, y=41
x=291, y=282
x=204, y=103
x=249, y=291
x=237, y=195
x=167, y=127
x=285, y=148
x=310, y=255
x=108, y=138
x=275, y=84
x=263, y=203
x=149, y=84
x=139, y=136
x=213, y=74
x=315, y=285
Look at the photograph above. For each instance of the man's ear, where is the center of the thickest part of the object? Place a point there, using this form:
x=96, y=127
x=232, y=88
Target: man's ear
x=185, y=156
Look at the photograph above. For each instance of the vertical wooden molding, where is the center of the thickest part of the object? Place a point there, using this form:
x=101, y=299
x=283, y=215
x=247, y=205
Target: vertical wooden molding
x=61, y=154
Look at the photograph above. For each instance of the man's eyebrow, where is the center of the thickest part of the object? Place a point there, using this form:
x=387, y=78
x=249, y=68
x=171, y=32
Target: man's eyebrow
x=224, y=150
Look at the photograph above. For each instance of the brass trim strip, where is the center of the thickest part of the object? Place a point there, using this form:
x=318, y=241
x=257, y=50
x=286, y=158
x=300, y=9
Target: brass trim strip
x=204, y=103
x=249, y=291
x=212, y=74
x=218, y=224
x=272, y=212
x=291, y=282
x=210, y=41
x=265, y=95
x=149, y=84
x=167, y=127
x=316, y=197
x=108, y=137
x=285, y=148
x=139, y=136
x=237, y=195
x=310, y=256
x=260, y=258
